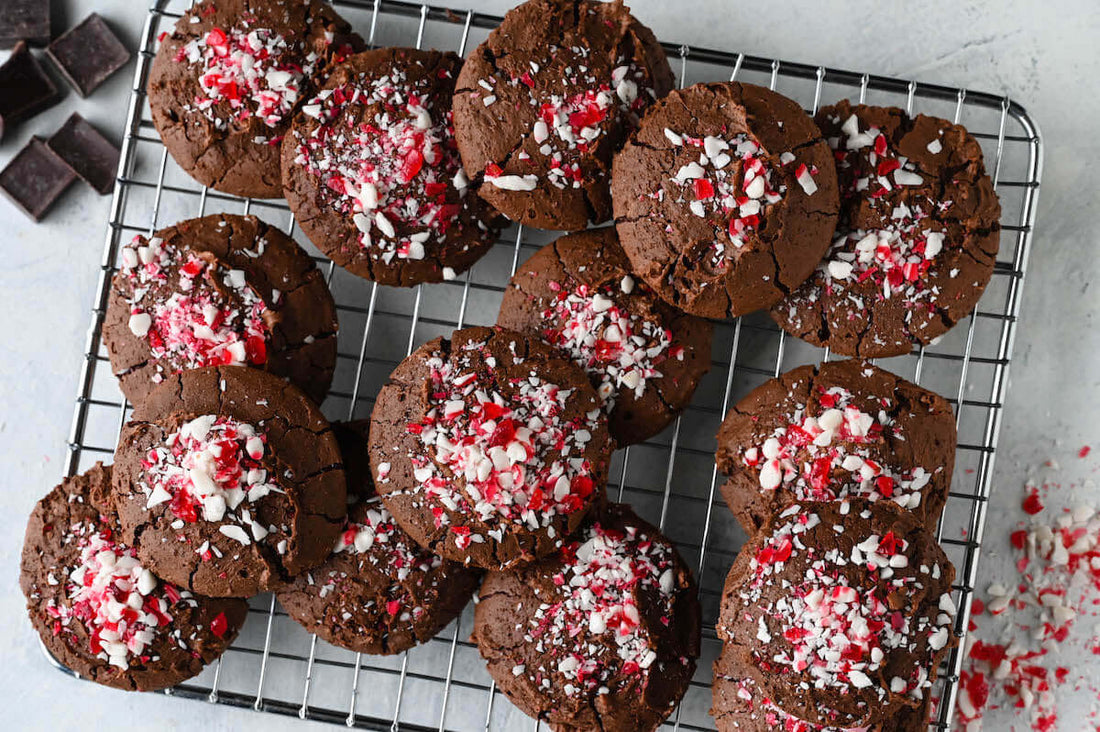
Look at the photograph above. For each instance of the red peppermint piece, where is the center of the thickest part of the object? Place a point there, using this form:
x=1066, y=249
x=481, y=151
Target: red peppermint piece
x=219, y=625
x=1032, y=505
x=704, y=189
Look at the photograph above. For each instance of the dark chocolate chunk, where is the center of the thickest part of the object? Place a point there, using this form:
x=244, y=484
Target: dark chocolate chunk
x=24, y=20
x=35, y=178
x=88, y=54
x=25, y=89
x=91, y=155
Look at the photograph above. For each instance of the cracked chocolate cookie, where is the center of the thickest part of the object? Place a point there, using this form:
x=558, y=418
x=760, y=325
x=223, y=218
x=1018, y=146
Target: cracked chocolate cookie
x=220, y=290
x=917, y=238
x=643, y=356
x=725, y=198
x=740, y=705
x=99, y=609
x=602, y=636
x=379, y=592
x=489, y=448
x=841, y=429
x=228, y=78
x=543, y=104
x=842, y=611
x=372, y=173
x=229, y=482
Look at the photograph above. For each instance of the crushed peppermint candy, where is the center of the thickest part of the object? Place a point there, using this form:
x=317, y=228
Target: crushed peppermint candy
x=830, y=454
x=504, y=459
x=191, y=310
x=899, y=257
x=121, y=606
x=245, y=72
x=568, y=127
x=590, y=630
x=212, y=469
x=734, y=182
x=823, y=628
x=622, y=350
x=384, y=154
x=1025, y=630
x=374, y=536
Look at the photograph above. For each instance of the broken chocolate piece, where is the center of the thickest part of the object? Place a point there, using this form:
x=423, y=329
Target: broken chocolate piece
x=35, y=178
x=91, y=156
x=88, y=53
x=25, y=89
x=24, y=20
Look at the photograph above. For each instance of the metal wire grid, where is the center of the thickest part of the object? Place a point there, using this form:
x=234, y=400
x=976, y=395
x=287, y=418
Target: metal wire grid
x=276, y=666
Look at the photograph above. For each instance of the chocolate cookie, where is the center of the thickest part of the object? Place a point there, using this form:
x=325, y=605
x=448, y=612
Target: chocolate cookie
x=644, y=357
x=372, y=173
x=543, y=104
x=841, y=429
x=842, y=610
x=379, y=592
x=916, y=241
x=229, y=481
x=220, y=290
x=230, y=76
x=99, y=609
x=600, y=637
x=740, y=705
x=725, y=198
x=489, y=448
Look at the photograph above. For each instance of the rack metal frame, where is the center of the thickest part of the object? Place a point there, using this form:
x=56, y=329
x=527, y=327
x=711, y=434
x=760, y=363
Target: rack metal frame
x=272, y=669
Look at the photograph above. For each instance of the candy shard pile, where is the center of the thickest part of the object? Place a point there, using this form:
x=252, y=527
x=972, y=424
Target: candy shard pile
x=825, y=457
x=620, y=348
x=518, y=461
x=394, y=171
x=1025, y=631
x=845, y=608
x=253, y=70
x=209, y=469
x=192, y=310
x=604, y=571
x=115, y=598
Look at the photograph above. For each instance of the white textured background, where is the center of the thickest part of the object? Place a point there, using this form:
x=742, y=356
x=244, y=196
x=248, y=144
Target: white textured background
x=1045, y=54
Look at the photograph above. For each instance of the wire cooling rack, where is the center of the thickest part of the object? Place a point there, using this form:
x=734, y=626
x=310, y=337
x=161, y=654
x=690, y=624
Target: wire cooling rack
x=276, y=666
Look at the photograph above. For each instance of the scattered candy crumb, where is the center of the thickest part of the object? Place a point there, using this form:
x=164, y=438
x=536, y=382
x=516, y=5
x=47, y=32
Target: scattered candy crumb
x=1019, y=628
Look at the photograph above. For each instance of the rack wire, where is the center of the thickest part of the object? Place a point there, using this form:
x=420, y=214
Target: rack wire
x=276, y=666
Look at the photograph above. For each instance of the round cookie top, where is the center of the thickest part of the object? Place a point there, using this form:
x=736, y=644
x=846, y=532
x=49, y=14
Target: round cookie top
x=543, y=104
x=221, y=290
x=603, y=635
x=841, y=429
x=232, y=480
x=644, y=357
x=489, y=448
x=99, y=610
x=725, y=198
x=916, y=241
x=228, y=78
x=844, y=609
x=740, y=705
x=379, y=592
x=372, y=172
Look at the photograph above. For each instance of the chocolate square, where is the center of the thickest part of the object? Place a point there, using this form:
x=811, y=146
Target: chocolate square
x=91, y=155
x=25, y=89
x=24, y=20
x=35, y=178
x=88, y=53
